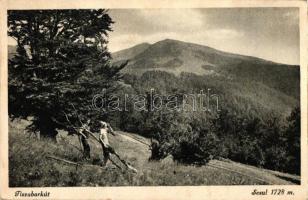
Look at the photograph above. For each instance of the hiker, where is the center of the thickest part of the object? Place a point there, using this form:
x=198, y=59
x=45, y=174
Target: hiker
x=105, y=128
x=83, y=136
x=103, y=137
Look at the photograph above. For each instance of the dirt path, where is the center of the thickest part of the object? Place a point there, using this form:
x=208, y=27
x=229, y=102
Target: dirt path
x=253, y=172
x=132, y=138
x=266, y=176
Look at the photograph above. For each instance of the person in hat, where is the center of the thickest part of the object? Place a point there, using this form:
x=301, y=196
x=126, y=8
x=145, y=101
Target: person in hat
x=103, y=137
x=105, y=128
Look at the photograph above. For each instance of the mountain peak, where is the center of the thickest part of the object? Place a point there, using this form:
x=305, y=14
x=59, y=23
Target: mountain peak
x=170, y=41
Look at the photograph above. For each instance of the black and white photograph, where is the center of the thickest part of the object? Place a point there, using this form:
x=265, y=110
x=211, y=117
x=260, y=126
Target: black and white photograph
x=109, y=97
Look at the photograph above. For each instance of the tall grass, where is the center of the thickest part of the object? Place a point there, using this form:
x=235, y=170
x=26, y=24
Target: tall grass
x=29, y=167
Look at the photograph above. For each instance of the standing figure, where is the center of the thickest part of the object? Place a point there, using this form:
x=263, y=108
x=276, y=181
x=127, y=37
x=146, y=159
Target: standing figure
x=83, y=136
x=107, y=149
x=103, y=137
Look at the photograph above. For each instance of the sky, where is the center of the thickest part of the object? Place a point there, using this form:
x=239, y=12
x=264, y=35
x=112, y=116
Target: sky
x=268, y=33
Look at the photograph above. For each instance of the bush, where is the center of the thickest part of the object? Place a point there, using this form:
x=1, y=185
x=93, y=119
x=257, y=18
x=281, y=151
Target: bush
x=247, y=131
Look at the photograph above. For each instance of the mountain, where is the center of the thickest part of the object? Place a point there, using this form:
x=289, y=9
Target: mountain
x=251, y=82
x=130, y=52
x=180, y=57
x=177, y=57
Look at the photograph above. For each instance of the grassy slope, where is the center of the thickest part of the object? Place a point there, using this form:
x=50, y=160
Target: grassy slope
x=28, y=165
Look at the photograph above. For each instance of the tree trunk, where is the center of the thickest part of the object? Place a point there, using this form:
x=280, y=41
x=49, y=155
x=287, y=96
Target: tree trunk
x=47, y=129
x=49, y=135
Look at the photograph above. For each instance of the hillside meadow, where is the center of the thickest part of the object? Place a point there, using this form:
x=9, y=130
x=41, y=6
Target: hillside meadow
x=29, y=166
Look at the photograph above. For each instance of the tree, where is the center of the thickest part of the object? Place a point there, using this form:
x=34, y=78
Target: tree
x=62, y=61
x=293, y=142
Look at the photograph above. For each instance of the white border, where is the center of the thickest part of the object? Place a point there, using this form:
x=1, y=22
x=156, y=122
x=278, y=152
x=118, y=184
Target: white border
x=170, y=192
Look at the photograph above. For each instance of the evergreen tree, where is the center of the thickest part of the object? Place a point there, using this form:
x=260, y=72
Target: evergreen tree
x=62, y=61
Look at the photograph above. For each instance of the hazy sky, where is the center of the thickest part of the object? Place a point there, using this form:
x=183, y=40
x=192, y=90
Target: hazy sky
x=269, y=33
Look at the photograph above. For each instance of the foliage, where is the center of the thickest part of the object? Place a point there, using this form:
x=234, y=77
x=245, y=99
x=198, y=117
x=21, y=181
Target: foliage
x=243, y=130
x=292, y=140
x=62, y=61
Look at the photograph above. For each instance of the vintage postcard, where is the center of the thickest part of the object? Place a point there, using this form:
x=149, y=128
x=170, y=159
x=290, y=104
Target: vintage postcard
x=160, y=99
